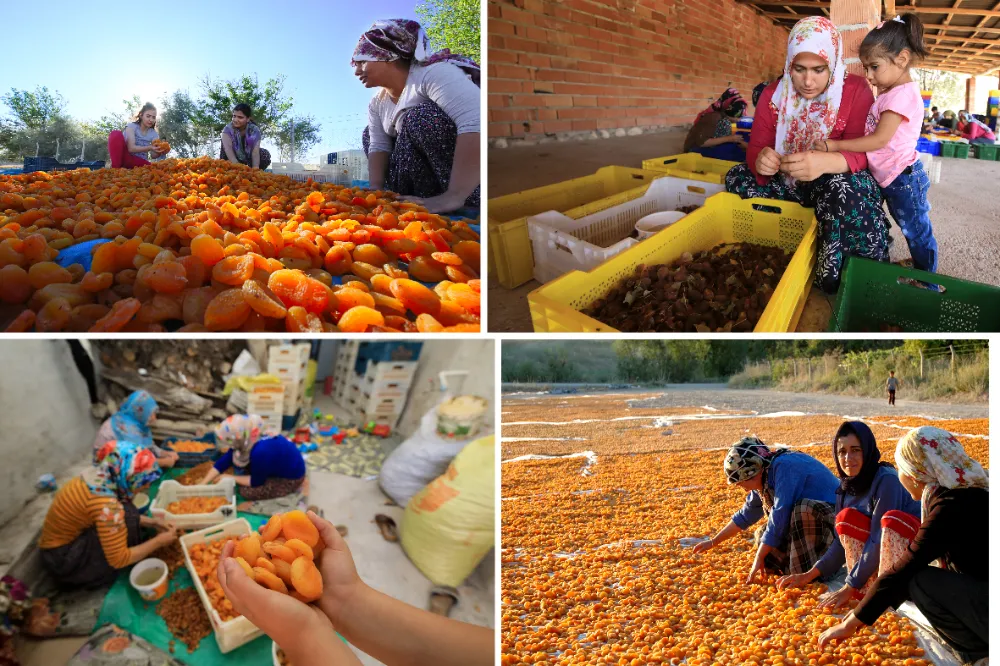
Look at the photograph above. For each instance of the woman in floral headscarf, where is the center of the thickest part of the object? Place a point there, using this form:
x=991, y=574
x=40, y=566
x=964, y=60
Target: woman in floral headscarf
x=794, y=492
x=712, y=134
x=975, y=130
x=953, y=490
x=265, y=468
x=92, y=528
x=131, y=423
x=422, y=138
x=817, y=99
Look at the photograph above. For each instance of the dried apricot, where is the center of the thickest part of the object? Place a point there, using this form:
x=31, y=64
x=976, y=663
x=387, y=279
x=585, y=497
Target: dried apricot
x=272, y=529
x=263, y=300
x=265, y=563
x=426, y=269
x=296, y=525
x=168, y=277
x=121, y=314
x=48, y=272
x=269, y=580
x=234, y=270
x=359, y=318
x=370, y=254
x=227, y=311
x=300, y=547
x=248, y=548
x=280, y=551
x=22, y=323
x=306, y=578
x=246, y=567
x=15, y=285
x=300, y=320
x=416, y=296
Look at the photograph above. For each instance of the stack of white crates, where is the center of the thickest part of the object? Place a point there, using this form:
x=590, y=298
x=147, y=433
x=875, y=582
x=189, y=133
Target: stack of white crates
x=343, y=370
x=378, y=395
x=382, y=390
x=289, y=363
x=267, y=402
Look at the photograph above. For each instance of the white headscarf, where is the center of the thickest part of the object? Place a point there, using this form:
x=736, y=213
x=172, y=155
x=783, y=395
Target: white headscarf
x=802, y=122
x=240, y=432
x=936, y=458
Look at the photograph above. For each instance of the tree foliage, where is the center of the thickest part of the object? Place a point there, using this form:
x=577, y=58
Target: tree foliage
x=34, y=110
x=307, y=135
x=268, y=103
x=178, y=121
x=452, y=24
x=949, y=93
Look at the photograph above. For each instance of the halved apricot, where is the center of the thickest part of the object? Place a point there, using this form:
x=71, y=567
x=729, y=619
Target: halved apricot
x=296, y=525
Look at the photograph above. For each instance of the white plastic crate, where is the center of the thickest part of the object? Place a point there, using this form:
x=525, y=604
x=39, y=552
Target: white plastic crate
x=561, y=244
x=402, y=385
x=266, y=398
x=238, y=631
x=932, y=167
x=272, y=422
x=293, y=353
x=384, y=371
x=171, y=491
x=383, y=402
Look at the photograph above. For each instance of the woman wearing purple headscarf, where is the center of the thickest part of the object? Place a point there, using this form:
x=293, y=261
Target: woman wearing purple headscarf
x=422, y=138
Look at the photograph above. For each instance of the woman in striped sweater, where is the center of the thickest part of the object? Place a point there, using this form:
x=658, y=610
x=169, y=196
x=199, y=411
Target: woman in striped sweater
x=92, y=528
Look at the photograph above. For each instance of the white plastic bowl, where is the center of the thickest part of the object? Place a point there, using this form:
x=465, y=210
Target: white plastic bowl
x=656, y=222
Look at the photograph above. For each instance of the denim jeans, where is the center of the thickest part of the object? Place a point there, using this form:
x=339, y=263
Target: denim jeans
x=908, y=205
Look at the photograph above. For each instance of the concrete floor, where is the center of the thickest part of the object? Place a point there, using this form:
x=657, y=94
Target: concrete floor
x=965, y=212
x=345, y=500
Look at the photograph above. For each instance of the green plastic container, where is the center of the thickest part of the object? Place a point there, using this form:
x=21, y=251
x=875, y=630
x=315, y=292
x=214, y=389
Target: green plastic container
x=871, y=296
x=955, y=149
x=947, y=149
x=991, y=153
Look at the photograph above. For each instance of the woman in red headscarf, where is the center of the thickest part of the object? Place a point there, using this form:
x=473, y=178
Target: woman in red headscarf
x=422, y=138
x=817, y=99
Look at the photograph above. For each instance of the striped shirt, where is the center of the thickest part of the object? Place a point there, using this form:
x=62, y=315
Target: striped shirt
x=75, y=509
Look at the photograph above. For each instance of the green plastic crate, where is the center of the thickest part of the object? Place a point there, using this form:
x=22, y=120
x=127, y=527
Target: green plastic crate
x=871, y=295
x=955, y=149
x=984, y=152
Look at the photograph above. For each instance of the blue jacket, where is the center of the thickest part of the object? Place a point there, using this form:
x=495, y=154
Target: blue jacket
x=274, y=457
x=792, y=477
x=885, y=494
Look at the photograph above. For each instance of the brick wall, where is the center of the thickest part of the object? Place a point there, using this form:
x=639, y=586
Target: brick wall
x=591, y=65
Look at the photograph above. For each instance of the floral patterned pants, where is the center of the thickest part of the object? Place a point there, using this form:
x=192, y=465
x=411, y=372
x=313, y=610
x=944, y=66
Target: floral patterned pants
x=848, y=207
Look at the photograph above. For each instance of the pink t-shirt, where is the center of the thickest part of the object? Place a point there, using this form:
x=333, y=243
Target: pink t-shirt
x=901, y=151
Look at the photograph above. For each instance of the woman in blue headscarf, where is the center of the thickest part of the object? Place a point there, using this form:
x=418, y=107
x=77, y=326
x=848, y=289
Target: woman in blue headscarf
x=92, y=528
x=132, y=423
x=876, y=517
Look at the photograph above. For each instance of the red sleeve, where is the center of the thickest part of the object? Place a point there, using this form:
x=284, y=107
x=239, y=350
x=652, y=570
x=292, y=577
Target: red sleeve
x=858, y=100
x=764, y=131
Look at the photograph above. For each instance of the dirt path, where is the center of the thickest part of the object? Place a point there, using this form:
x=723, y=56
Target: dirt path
x=763, y=402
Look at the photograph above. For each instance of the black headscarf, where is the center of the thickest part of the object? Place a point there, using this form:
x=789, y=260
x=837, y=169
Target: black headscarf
x=872, y=457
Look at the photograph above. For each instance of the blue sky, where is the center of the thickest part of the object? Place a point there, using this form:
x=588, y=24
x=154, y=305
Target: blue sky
x=309, y=41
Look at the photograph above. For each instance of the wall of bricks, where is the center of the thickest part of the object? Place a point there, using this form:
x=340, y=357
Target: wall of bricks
x=854, y=19
x=583, y=66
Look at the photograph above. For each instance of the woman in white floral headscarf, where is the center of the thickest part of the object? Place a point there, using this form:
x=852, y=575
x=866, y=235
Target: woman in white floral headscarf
x=817, y=99
x=266, y=467
x=953, y=490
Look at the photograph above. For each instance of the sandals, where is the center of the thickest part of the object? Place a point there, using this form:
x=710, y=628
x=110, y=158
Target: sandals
x=387, y=526
x=443, y=598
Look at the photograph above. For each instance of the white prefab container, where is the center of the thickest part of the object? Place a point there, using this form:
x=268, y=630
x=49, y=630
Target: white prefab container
x=171, y=491
x=238, y=631
x=389, y=371
x=561, y=244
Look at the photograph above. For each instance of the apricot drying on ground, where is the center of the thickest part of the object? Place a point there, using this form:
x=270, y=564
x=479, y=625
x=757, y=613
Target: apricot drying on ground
x=272, y=529
x=48, y=272
x=121, y=314
x=15, y=285
x=269, y=580
x=227, y=311
x=246, y=567
x=306, y=578
x=234, y=270
x=359, y=319
x=22, y=323
x=416, y=296
x=296, y=525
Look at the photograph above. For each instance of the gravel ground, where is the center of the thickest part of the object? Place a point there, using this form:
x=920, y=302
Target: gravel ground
x=764, y=402
x=965, y=211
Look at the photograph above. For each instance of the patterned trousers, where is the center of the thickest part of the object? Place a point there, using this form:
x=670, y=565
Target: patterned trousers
x=810, y=533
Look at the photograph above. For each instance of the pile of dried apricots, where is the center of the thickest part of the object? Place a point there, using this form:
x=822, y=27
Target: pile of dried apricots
x=206, y=245
x=594, y=570
x=187, y=446
x=205, y=558
x=196, y=505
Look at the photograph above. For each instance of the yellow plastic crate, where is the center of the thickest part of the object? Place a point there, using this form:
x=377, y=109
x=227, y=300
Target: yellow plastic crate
x=725, y=218
x=686, y=164
x=510, y=248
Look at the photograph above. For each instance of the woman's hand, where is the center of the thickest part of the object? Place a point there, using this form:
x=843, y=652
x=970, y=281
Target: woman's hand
x=768, y=161
x=704, y=546
x=845, y=629
x=758, y=564
x=838, y=599
x=278, y=615
x=167, y=537
x=795, y=580
x=825, y=146
x=806, y=166
x=443, y=203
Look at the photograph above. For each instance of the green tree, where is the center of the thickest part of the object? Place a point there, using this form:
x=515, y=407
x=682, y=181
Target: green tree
x=306, y=136
x=34, y=110
x=178, y=124
x=113, y=120
x=949, y=93
x=452, y=24
x=268, y=103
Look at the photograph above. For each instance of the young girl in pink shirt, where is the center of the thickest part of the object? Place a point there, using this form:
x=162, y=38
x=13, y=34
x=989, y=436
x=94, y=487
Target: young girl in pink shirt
x=892, y=130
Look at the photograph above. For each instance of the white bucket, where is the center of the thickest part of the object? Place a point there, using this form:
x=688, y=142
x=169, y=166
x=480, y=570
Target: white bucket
x=155, y=590
x=656, y=222
x=461, y=417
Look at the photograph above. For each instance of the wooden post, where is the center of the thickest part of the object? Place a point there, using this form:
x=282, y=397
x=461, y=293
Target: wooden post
x=921, y=352
x=951, y=348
